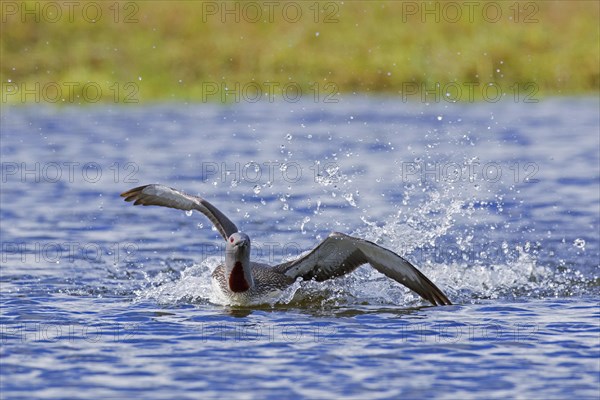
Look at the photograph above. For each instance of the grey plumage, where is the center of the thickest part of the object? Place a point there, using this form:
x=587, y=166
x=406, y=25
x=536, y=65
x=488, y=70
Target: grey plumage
x=245, y=282
x=160, y=195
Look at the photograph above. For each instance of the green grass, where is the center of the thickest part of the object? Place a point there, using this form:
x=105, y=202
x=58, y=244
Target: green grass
x=176, y=51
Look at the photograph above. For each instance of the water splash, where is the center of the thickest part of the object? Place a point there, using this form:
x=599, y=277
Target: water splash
x=429, y=219
x=194, y=285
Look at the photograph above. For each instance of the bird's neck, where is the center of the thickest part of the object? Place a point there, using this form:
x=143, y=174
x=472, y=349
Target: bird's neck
x=240, y=276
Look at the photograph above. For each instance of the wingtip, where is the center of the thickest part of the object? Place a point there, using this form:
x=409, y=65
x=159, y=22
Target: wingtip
x=441, y=300
x=131, y=193
x=437, y=297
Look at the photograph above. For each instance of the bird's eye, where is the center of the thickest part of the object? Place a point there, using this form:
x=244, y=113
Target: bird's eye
x=231, y=240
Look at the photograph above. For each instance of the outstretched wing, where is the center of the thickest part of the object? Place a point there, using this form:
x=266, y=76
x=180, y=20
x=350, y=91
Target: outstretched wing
x=160, y=195
x=339, y=254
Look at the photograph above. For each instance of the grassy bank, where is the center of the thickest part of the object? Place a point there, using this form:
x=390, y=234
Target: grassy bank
x=198, y=51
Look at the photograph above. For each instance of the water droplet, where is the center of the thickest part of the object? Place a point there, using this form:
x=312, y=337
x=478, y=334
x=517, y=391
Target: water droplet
x=256, y=189
x=304, y=222
x=350, y=199
x=580, y=243
x=189, y=213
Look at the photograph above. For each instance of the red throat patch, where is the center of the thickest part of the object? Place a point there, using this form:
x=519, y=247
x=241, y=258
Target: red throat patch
x=237, y=280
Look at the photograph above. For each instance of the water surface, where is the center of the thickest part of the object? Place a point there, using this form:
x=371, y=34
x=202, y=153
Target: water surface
x=497, y=203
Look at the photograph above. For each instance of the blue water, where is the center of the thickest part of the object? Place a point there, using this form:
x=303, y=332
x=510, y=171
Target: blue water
x=499, y=204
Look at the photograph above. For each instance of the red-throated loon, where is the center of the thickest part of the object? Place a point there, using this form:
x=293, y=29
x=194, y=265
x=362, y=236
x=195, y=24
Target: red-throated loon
x=243, y=282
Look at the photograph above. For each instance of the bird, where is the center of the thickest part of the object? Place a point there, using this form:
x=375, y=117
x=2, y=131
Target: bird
x=242, y=282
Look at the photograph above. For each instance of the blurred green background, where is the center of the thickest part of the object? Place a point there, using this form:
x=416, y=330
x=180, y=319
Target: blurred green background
x=198, y=51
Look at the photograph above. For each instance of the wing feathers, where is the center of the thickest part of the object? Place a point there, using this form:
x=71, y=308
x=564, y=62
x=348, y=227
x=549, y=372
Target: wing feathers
x=340, y=254
x=159, y=195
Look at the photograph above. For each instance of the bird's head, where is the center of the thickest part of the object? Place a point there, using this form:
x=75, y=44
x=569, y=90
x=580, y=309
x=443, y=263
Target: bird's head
x=238, y=244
